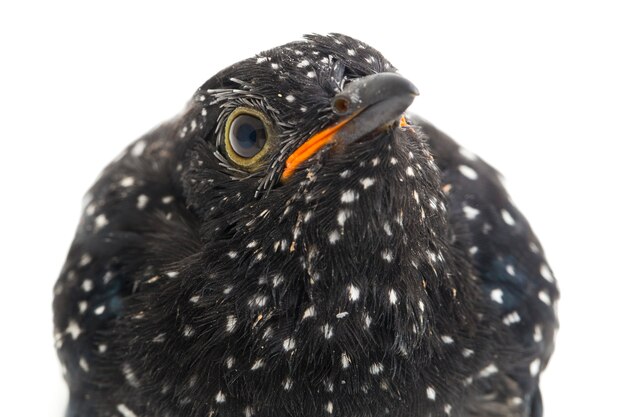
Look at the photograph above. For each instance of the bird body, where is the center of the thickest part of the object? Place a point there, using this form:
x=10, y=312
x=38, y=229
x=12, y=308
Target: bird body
x=287, y=247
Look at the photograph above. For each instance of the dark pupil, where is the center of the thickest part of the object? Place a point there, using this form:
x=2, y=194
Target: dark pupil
x=247, y=135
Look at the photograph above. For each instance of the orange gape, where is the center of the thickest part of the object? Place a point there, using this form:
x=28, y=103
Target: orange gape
x=315, y=143
x=308, y=148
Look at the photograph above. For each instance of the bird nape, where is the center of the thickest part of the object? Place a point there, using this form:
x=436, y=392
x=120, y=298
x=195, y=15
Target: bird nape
x=295, y=244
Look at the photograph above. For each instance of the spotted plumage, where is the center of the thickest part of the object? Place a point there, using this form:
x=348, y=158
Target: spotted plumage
x=385, y=272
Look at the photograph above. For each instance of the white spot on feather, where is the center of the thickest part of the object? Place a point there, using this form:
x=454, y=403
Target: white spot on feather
x=127, y=181
x=534, y=367
x=100, y=221
x=130, y=376
x=289, y=344
x=231, y=322
x=508, y=219
x=467, y=352
x=82, y=362
x=496, y=295
x=470, y=212
x=345, y=360
x=125, y=411
x=488, y=370
x=353, y=292
x=333, y=237
x=348, y=196
x=376, y=368
x=538, y=334
x=188, y=331
x=367, y=182
x=287, y=384
x=393, y=296
x=87, y=285
x=327, y=330
x=309, y=312
x=468, y=172
x=546, y=273
x=142, y=201
x=543, y=296
x=387, y=255
x=342, y=216
x=511, y=318
x=431, y=393
x=510, y=269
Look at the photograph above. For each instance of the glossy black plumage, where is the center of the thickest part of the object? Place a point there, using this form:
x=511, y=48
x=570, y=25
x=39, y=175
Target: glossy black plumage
x=389, y=276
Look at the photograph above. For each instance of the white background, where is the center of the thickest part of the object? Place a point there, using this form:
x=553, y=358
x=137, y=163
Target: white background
x=536, y=88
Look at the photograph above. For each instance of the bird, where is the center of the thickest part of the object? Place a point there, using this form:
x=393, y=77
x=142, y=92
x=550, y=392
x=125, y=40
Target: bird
x=297, y=243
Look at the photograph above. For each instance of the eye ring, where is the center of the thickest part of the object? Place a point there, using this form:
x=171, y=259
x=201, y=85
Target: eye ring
x=247, y=137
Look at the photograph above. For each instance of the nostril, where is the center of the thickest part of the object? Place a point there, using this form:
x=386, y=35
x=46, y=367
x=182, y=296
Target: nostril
x=340, y=105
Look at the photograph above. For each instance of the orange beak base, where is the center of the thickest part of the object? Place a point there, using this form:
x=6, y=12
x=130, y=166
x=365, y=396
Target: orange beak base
x=308, y=148
x=314, y=144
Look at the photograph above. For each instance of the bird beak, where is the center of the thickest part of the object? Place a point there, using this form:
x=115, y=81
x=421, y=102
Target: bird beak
x=364, y=105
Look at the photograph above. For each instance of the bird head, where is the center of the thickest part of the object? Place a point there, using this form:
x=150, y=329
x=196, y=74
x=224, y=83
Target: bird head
x=276, y=111
x=308, y=143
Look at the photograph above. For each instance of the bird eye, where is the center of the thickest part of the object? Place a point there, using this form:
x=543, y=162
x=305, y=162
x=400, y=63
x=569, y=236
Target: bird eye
x=247, y=134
